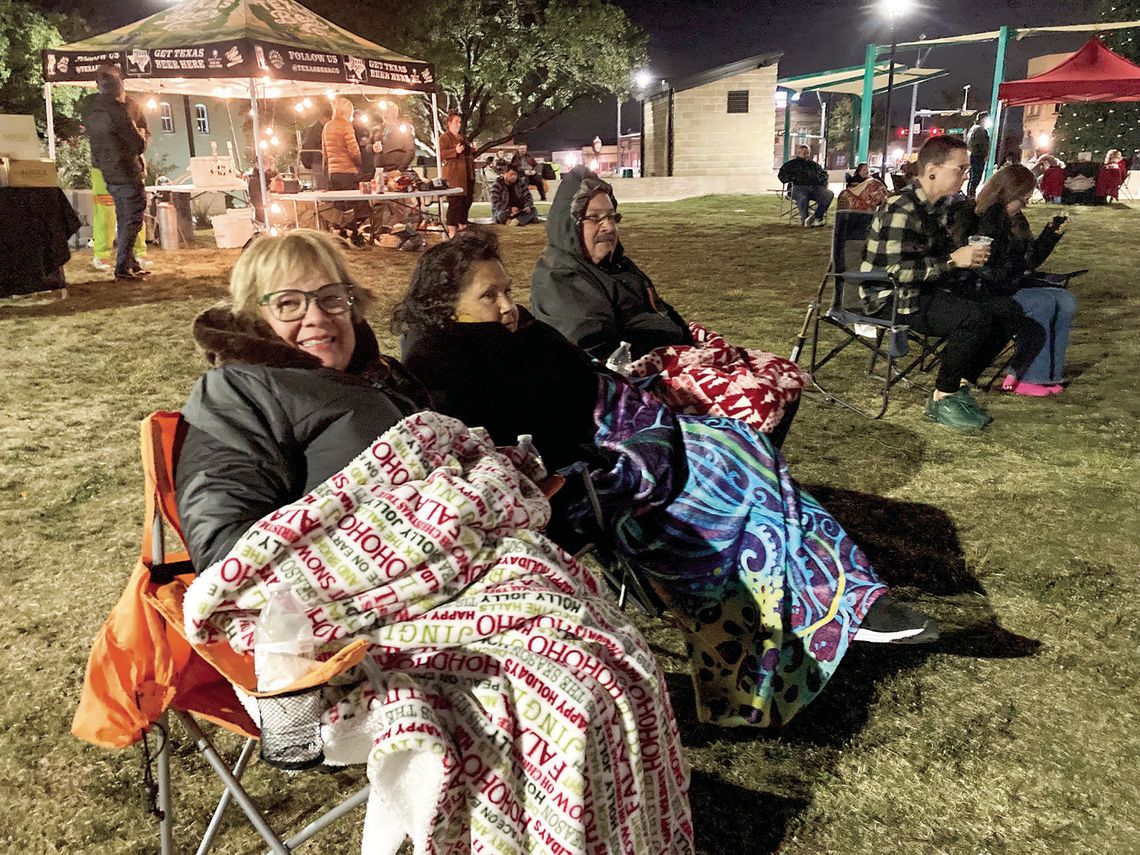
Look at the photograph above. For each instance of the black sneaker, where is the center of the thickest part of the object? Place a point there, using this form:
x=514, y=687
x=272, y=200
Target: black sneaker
x=890, y=622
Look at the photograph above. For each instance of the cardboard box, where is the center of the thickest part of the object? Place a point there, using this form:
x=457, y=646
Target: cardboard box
x=18, y=138
x=27, y=173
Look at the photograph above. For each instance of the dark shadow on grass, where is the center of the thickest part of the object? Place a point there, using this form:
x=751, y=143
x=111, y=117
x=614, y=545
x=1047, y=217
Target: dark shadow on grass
x=728, y=818
x=100, y=295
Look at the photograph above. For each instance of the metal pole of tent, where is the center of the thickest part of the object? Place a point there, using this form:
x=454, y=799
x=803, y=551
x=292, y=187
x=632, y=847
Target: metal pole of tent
x=999, y=76
x=871, y=58
x=788, y=125
x=257, y=154
x=438, y=131
x=822, y=129
x=50, y=121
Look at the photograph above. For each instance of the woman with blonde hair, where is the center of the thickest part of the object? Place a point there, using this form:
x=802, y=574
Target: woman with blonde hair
x=1011, y=272
x=340, y=148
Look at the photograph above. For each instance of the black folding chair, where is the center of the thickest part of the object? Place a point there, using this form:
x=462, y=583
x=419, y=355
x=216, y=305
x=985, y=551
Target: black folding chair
x=789, y=211
x=885, y=334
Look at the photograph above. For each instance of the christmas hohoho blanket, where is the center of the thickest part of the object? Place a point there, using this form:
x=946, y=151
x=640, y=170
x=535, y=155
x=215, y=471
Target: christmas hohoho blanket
x=713, y=377
x=520, y=710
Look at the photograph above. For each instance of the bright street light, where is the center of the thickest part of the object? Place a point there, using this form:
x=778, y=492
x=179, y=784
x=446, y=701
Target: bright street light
x=641, y=81
x=1044, y=141
x=643, y=78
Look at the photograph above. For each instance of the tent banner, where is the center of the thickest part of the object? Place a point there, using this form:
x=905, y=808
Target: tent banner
x=241, y=58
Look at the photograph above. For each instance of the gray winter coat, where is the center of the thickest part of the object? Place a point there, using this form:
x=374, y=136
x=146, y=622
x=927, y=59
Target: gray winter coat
x=268, y=424
x=597, y=306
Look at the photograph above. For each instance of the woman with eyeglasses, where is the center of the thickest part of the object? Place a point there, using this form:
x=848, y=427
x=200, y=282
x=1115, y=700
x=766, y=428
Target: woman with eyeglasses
x=767, y=585
x=1011, y=271
x=297, y=391
x=587, y=288
x=297, y=387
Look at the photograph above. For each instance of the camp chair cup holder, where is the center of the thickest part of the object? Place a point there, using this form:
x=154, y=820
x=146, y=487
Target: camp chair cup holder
x=291, y=729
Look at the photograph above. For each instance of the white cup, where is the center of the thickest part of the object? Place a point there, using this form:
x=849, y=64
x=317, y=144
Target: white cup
x=979, y=240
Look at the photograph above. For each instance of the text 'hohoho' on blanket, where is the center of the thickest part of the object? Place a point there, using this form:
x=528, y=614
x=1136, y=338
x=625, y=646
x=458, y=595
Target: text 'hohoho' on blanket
x=520, y=710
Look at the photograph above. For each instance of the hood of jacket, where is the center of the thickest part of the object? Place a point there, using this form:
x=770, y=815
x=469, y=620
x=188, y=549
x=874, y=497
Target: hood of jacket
x=226, y=338
x=562, y=233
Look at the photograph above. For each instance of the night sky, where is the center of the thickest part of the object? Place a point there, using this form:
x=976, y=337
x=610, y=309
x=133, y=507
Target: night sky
x=688, y=36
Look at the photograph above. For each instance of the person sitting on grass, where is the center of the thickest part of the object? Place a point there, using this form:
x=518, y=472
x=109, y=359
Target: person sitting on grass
x=910, y=238
x=1011, y=272
x=809, y=184
x=767, y=586
x=864, y=192
x=511, y=201
x=587, y=288
x=307, y=460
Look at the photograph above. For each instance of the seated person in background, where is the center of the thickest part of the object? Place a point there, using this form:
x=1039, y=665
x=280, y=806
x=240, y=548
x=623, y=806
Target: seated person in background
x=809, y=184
x=511, y=202
x=287, y=418
x=1009, y=272
x=587, y=288
x=910, y=238
x=532, y=169
x=769, y=589
x=863, y=193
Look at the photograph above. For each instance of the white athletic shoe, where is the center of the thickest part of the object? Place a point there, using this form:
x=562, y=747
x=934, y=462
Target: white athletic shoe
x=102, y=264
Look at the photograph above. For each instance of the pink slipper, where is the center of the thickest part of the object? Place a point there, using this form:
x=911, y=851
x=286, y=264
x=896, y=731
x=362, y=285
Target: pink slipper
x=1031, y=390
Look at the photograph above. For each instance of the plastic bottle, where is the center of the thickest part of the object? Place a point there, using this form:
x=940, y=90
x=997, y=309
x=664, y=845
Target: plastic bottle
x=621, y=359
x=283, y=645
x=283, y=642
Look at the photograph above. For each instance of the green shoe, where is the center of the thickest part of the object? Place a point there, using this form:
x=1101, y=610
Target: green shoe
x=954, y=411
x=968, y=397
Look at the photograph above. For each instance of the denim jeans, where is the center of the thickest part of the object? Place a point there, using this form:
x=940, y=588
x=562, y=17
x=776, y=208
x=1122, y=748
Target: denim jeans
x=977, y=167
x=1053, y=308
x=802, y=196
x=130, y=204
x=525, y=218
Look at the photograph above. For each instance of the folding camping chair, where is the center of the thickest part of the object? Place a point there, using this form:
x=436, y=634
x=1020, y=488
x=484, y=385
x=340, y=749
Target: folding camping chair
x=885, y=337
x=788, y=209
x=171, y=676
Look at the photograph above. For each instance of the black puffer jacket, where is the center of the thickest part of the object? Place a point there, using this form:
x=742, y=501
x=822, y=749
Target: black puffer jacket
x=269, y=423
x=115, y=141
x=597, y=306
x=530, y=381
x=1014, y=255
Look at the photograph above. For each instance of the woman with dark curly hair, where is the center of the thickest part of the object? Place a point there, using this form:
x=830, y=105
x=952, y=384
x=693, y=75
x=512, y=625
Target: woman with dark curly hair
x=767, y=585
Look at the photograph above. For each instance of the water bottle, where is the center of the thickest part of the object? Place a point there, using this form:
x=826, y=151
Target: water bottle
x=283, y=646
x=621, y=359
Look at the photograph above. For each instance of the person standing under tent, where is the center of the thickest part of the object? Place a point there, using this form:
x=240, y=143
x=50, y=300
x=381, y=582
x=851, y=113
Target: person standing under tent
x=117, y=146
x=458, y=171
x=103, y=220
x=312, y=156
x=339, y=148
x=978, y=142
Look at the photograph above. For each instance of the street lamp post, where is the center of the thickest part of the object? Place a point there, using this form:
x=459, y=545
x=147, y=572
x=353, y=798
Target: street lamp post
x=893, y=9
x=641, y=80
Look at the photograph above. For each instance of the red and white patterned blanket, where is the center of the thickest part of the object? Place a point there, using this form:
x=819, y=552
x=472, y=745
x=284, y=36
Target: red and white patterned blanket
x=713, y=377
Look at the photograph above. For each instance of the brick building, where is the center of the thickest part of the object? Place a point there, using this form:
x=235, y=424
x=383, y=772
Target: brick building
x=718, y=122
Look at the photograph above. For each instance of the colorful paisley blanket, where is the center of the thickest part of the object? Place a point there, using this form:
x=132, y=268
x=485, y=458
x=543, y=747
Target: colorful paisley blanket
x=768, y=586
x=520, y=711
x=714, y=377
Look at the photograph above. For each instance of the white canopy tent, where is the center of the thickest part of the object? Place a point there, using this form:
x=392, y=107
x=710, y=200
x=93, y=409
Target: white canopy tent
x=256, y=49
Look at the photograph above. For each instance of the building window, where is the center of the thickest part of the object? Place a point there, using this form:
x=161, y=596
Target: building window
x=201, y=120
x=738, y=101
x=167, y=118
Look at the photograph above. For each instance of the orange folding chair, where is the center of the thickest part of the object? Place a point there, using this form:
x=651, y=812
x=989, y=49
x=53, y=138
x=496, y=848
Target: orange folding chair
x=142, y=667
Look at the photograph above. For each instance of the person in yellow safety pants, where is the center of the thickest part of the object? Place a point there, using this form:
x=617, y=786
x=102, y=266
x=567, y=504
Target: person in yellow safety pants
x=103, y=227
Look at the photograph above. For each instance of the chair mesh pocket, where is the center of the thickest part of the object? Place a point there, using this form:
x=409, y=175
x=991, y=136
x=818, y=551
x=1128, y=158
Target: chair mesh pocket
x=291, y=729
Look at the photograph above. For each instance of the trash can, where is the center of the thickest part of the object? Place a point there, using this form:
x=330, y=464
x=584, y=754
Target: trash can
x=185, y=218
x=167, y=216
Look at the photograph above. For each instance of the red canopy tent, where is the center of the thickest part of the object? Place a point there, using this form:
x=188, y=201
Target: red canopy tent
x=1094, y=73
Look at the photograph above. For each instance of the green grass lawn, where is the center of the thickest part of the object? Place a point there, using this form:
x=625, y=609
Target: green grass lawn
x=1017, y=732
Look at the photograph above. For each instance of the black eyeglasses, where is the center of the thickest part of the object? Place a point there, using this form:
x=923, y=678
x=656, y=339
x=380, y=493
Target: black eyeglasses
x=597, y=219
x=292, y=304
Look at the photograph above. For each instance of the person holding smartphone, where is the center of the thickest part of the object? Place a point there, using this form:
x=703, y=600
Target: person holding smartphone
x=1011, y=271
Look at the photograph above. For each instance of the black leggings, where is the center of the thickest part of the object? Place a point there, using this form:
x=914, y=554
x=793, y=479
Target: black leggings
x=977, y=330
